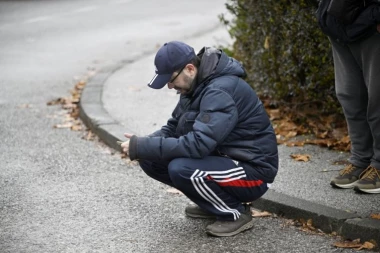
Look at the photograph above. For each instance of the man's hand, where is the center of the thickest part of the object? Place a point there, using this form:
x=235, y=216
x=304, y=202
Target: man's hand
x=125, y=145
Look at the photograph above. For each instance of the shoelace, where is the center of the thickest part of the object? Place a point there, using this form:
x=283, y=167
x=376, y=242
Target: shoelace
x=369, y=174
x=348, y=169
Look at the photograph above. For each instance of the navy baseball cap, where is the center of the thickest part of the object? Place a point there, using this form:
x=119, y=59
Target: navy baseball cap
x=170, y=57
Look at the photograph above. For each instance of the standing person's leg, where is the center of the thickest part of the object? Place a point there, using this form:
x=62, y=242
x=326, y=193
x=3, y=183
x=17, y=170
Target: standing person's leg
x=368, y=51
x=352, y=94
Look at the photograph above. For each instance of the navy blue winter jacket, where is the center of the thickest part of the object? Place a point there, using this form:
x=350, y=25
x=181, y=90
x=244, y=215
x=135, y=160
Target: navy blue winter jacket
x=222, y=116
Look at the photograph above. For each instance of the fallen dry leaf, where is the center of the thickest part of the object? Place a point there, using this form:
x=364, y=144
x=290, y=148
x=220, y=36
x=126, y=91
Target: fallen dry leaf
x=285, y=127
x=71, y=108
x=77, y=128
x=375, y=216
x=56, y=101
x=355, y=244
x=89, y=136
x=267, y=42
x=292, y=119
x=345, y=139
x=347, y=245
x=295, y=143
x=80, y=85
x=174, y=191
x=23, y=106
x=291, y=134
x=301, y=157
x=322, y=134
x=307, y=225
x=367, y=245
x=66, y=125
x=274, y=114
x=256, y=213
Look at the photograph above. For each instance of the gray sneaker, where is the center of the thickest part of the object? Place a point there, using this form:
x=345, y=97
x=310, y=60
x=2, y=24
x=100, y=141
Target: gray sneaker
x=230, y=228
x=347, y=177
x=369, y=182
x=195, y=211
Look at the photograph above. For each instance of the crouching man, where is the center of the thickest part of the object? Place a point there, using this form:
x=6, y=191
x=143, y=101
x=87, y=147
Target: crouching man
x=219, y=147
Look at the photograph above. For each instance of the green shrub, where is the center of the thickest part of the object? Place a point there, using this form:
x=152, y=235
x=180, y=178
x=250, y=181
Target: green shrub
x=286, y=55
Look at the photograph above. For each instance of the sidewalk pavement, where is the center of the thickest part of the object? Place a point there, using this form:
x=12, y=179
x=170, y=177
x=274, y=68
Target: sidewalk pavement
x=117, y=100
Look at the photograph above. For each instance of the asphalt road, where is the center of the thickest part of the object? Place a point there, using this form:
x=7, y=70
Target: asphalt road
x=61, y=193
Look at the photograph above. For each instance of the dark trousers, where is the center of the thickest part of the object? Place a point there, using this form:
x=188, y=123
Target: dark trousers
x=216, y=184
x=357, y=82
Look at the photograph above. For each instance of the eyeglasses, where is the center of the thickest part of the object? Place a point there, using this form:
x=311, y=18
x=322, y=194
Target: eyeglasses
x=173, y=79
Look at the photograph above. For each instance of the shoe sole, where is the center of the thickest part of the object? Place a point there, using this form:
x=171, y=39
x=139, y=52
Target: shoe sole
x=373, y=191
x=344, y=186
x=246, y=226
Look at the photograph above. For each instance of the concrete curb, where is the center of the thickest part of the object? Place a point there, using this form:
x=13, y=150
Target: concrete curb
x=92, y=112
x=327, y=219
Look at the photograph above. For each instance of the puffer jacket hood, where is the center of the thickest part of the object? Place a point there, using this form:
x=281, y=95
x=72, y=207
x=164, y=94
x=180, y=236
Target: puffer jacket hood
x=215, y=63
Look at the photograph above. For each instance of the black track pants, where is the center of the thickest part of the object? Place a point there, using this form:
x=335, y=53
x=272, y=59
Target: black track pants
x=217, y=184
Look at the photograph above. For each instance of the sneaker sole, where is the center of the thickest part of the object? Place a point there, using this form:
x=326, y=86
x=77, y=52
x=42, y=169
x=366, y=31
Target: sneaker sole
x=246, y=226
x=357, y=189
x=344, y=186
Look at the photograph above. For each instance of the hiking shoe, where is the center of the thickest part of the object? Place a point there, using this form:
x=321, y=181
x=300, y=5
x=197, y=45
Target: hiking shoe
x=230, y=228
x=347, y=177
x=369, y=182
x=195, y=211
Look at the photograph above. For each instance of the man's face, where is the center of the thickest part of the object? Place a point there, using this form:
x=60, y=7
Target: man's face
x=182, y=80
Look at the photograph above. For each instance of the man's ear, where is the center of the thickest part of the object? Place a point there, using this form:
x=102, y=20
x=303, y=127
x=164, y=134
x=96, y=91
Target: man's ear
x=191, y=68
